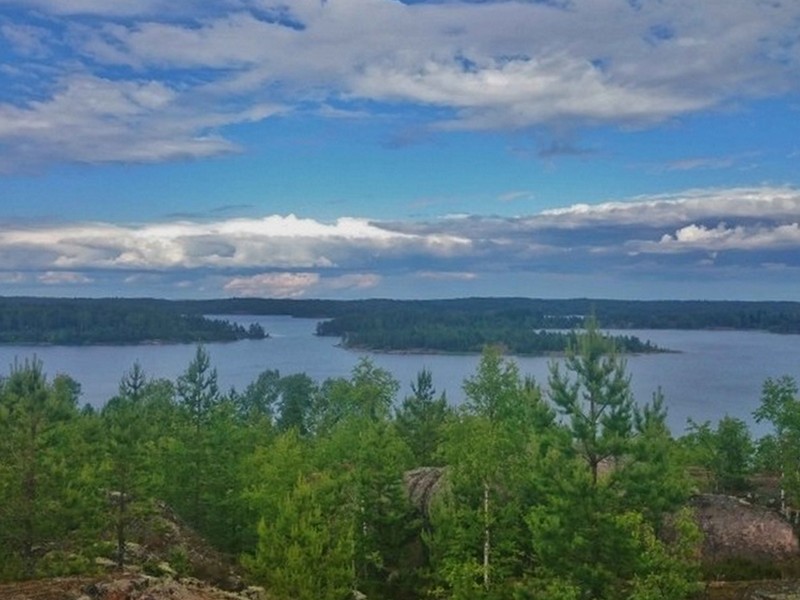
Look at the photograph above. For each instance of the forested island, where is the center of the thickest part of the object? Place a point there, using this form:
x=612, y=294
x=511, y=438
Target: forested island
x=460, y=332
x=83, y=321
x=520, y=325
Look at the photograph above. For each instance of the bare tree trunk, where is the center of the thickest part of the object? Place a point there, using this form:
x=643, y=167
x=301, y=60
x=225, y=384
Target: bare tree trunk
x=784, y=510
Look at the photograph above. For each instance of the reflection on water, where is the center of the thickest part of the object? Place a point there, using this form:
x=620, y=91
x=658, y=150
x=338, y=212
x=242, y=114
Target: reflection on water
x=714, y=373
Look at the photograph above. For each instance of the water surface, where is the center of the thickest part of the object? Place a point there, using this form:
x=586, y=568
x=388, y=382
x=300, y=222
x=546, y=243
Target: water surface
x=714, y=373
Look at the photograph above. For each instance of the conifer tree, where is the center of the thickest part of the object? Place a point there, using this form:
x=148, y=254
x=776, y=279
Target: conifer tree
x=305, y=551
x=594, y=396
x=421, y=418
x=198, y=394
x=33, y=415
x=128, y=462
x=297, y=394
x=603, y=493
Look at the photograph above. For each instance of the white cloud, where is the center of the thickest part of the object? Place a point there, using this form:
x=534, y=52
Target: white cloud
x=289, y=256
x=525, y=92
x=273, y=285
x=516, y=196
x=358, y=281
x=27, y=40
x=723, y=237
x=190, y=69
x=94, y=120
x=112, y=8
x=63, y=277
x=275, y=242
x=295, y=285
x=692, y=205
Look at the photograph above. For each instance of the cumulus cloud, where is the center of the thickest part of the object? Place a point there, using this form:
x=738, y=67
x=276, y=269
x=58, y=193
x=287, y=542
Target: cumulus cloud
x=723, y=237
x=685, y=235
x=273, y=285
x=275, y=242
x=295, y=285
x=165, y=80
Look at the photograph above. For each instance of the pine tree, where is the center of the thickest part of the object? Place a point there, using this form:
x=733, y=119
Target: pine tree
x=421, y=418
x=296, y=401
x=603, y=493
x=305, y=550
x=127, y=464
x=33, y=416
x=198, y=395
x=597, y=402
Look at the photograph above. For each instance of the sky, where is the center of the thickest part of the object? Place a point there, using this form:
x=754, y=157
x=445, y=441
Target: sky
x=635, y=149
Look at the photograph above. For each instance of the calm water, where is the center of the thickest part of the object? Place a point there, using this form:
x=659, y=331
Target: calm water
x=714, y=374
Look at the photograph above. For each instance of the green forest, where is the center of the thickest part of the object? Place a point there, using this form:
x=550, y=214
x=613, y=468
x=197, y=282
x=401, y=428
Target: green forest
x=79, y=321
x=777, y=317
x=522, y=326
x=536, y=327
x=460, y=332
x=561, y=489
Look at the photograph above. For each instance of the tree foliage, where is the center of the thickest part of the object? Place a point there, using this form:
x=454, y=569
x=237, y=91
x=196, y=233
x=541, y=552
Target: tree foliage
x=421, y=418
x=727, y=452
x=596, y=400
x=539, y=493
x=79, y=321
x=780, y=406
x=35, y=416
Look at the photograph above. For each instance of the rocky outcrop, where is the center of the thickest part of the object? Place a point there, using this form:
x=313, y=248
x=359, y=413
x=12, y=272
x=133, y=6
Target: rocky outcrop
x=737, y=530
x=161, y=543
x=753, y=590
x=777, y=591
x=733, y=529
x=422, y=484
x=123, y=587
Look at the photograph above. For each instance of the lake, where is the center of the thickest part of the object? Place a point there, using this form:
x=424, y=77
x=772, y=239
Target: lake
x=714, y=373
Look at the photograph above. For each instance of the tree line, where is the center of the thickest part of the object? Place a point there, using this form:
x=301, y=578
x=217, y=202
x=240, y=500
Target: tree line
x=558, y=491
x=460, y=332
x=522, y=325
x=77, y=321
x=774, y=316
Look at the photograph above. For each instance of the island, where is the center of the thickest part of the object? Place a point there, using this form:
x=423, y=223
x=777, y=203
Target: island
x=522, y=326
x=114, y=321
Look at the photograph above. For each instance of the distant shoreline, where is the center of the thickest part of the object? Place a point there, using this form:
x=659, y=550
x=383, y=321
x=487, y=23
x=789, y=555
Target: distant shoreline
x=432, y=352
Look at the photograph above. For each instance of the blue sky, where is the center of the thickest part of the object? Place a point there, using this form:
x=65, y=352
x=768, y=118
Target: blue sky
x=365, y=148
